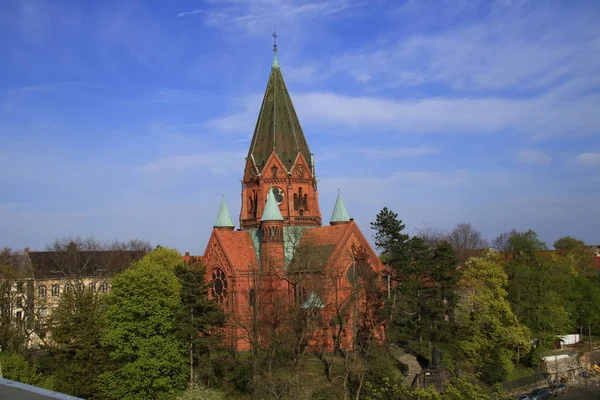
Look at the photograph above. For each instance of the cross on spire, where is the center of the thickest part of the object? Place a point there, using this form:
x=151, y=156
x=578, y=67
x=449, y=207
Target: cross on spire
x=274, y=41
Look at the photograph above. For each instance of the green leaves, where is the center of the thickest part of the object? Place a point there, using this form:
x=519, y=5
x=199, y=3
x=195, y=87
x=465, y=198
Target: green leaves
x=148, y=354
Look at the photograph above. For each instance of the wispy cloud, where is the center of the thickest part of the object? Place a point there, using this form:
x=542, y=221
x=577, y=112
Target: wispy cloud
x=588, y=159
x=255, y=15
x=188, y=13
x=539, y=117
x=535, y=157
x=215, y=162
x=404, y=152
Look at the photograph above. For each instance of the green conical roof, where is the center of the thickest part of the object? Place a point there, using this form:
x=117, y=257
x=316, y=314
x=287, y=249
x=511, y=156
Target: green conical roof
x=223, y=218
x=277, y=128
x=312, y=301
x=271, y=212
x=340, y=214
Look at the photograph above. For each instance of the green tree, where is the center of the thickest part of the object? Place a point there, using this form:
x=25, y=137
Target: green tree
x=141, y=335
x=79, y=357
x=13, y=274
x=16, y=368
x=198, y=319
x=389, y=238
x=489, y=335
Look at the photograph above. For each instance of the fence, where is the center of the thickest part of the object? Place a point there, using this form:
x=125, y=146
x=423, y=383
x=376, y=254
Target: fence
x=533, y=380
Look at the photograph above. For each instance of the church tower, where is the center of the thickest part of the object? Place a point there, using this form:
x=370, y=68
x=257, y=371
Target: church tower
x=279, y=158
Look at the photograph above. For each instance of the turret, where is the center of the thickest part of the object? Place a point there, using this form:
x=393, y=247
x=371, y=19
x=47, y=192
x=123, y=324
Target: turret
x=340, y=214
x=223, y=218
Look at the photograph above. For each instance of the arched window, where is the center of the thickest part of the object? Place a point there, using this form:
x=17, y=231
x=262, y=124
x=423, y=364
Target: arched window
x=68, y=288
x=92, y=287
x=103, y=288
x=42, y=290
x=55, y=289
x=252, y=297
x=219, y=288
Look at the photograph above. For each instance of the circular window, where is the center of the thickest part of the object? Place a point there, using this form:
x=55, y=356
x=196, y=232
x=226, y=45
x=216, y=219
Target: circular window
x=279, y=194
x=218, y=290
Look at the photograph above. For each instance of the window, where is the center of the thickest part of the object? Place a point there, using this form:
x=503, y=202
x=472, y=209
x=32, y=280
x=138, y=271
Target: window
x=218, y=291
x=68, y=288
x=92, y=287
x=19, y=287
x=42, y=316
x=79, y=287
x=103, y=288
x=55, y=290
x=19, y=316
x=252, y=297
x=42, y=291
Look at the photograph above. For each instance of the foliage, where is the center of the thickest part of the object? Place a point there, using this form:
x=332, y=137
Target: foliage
x=389, y=237
x=464, y=238
x=489, y=334
x=198, y=392
x=389, y=390
x=79, y=359
x=148, y=355
x=13, y=333
x=199, y=318
x=16, y=368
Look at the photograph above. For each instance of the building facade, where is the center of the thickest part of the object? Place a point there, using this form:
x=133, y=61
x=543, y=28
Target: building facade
x=282, y=265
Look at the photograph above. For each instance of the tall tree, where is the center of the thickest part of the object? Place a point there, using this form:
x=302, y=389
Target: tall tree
x=198, y=319
x=15, y=315
x=78, y=357
x=392, y=243
x=465, y=239
x=141, y=334
x=489, y=335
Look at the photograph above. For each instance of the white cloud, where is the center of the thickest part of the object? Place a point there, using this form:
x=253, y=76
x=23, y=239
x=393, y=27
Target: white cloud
x=216, y=162
x=516, y=46
x=540, y=117
x=588, y=159
x=188, y=13
x=536, y=157
x=403, y=152
x=255, y=15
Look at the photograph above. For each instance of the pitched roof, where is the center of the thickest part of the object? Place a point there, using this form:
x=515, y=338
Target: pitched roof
x=316, y=247
x=50, y=264
x=223, y=217
x=271, y=212
x=340, y=214
x=277, y=128
x=238, y=247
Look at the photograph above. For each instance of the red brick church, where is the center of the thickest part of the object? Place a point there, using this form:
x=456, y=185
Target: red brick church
x=282, y=262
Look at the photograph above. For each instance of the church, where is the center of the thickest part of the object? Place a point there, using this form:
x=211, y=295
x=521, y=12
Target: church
x=282, y=261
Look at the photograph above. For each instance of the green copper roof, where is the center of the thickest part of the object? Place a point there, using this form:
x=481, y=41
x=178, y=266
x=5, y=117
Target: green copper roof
x=339, y=211
x=223, y=218
x=275, y=63
x=277, y=128
x=272, y=212
x=312, y=301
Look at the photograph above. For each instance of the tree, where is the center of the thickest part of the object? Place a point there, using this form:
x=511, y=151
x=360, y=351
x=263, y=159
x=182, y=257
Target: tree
x=489, y=335
x=578, y=254
x=16, y=368
x=389, y=238
x=199, y=317
x=501, y=242
x=15, y=314
x=141, y=334
x=431, y=235
x=465, y=239
x=78, y=357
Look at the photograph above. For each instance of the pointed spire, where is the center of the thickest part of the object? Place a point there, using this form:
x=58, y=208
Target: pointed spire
x=340, y=214
x=275, y=63
x=223, y=218
x=277, y=128
x=271, y=212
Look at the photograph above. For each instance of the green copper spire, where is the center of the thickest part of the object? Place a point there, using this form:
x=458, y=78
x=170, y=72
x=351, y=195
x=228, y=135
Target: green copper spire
x=340, y=215
x=223, y=218
x=271, y=212
x=277, y=127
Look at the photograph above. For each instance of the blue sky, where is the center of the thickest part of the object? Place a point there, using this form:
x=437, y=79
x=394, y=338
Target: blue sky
x=124, y=119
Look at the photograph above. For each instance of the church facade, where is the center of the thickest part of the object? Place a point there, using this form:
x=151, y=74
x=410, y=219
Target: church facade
x=283, y=265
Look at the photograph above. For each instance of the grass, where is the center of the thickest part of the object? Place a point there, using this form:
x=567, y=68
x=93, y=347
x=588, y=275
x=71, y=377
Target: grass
x=520, y=371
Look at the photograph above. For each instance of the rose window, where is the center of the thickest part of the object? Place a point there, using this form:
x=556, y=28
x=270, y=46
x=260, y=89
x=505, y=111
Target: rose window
x=218, y=290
